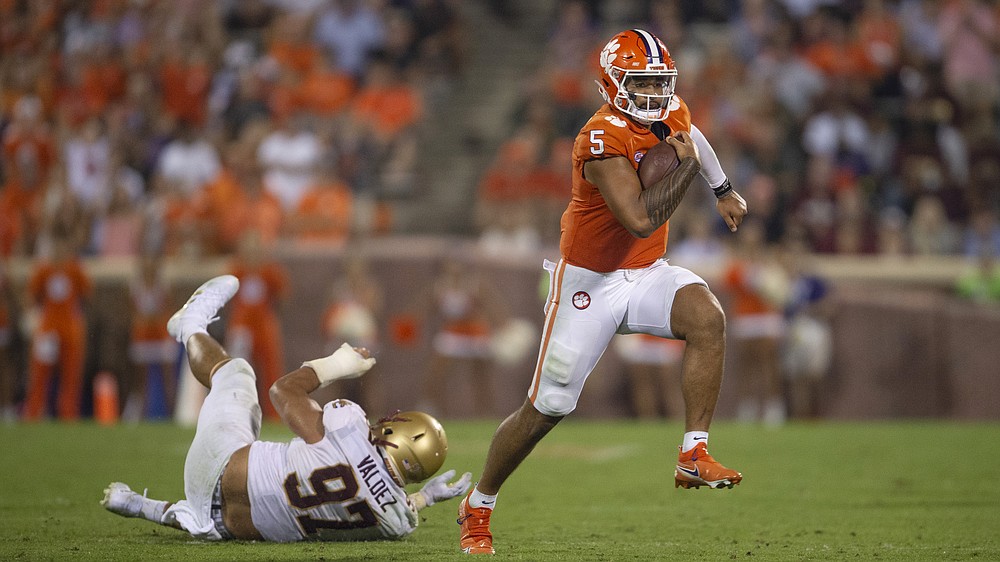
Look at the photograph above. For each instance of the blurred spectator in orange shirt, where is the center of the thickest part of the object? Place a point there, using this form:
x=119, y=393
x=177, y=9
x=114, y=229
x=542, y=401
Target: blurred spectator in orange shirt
x=254, y=210
x=523, y=193
x=57, y=289
x=170, y=221
x=21, y=200
x=24, y=25
x=325, y=90
x=879, y=35
x=102, y=78
x=254, y=329
x=185, y=78
x=27, y=140
x=290, y=45
x=220, y=196
x=12, y=229
x=380, y=141
x=506, y=209
x=324, y=214
x=831, y=48
x=387, y=104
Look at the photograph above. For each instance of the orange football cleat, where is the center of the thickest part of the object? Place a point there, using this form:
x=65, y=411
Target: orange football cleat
x=475, y=521
x=697, y=468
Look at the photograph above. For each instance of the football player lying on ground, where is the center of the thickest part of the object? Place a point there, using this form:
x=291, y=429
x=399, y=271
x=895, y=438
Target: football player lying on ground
x=339, y=480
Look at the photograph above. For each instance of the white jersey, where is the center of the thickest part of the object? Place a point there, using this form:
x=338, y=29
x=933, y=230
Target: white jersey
x=336, y=489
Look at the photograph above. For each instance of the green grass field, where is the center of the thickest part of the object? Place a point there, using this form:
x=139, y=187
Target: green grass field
x=591, y=491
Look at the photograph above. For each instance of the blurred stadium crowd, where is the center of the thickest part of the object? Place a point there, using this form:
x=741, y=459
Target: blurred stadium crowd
x=129, y=127
x=209, y=128
x=861, y=126
x=856, y=126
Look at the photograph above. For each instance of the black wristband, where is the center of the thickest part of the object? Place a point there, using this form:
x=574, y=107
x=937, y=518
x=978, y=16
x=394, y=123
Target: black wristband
x=725, y=189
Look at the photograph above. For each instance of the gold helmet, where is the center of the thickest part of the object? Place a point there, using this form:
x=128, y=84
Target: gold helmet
x=414, y=443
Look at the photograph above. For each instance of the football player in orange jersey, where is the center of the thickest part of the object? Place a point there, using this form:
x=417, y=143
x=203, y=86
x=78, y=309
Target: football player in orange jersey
x=612, y=277
x=58, y=287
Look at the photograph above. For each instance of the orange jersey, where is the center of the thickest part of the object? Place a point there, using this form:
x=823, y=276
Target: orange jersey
x=327, y=213
x=592, y=237
x=388, y=110
x=35, y=144
x=326, y=93
x=150, y=311
x=59, y=288
x=262, y=213
x=260, y=289
x=746, y=299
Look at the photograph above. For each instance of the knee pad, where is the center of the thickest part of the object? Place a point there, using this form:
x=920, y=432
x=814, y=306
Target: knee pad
x=552, y=402
x=554, y=397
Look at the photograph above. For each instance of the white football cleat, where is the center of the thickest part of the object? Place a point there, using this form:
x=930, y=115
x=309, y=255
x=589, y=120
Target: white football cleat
x=120, y=499
x=200, y=310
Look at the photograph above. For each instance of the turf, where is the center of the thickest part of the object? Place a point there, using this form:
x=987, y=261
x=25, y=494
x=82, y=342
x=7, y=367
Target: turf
x=592, y=490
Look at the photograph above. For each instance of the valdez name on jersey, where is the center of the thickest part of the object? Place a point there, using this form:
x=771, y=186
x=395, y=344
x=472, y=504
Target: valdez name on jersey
x=336, y=489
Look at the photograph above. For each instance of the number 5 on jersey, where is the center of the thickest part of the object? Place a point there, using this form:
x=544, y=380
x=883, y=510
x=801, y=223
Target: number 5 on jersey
x=596, y=141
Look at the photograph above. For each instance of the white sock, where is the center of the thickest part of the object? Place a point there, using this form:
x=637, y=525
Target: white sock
x=692, y=438
x=188, y=330
x=479, y=499
x=149, y=508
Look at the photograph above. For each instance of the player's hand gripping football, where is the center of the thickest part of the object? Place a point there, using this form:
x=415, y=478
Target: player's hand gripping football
x=733, y=208
x=438, y=489
x=684, y=145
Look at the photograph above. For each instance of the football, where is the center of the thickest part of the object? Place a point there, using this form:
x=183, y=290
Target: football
x=657, y=163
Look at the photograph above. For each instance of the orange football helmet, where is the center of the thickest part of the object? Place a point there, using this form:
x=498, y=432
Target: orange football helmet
x=638, y=76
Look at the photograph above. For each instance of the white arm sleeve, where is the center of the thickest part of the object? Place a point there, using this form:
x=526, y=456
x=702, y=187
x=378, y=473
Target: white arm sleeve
x=711, y=169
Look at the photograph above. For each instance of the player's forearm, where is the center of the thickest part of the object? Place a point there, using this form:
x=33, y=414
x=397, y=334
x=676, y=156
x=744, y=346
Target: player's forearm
x=711, y=168
x=302, y=414
x=662, y=199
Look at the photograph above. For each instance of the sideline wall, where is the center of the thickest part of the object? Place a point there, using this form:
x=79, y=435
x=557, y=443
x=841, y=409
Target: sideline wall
x=904, y=347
